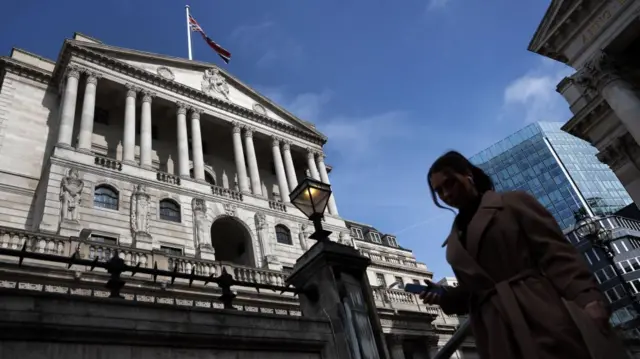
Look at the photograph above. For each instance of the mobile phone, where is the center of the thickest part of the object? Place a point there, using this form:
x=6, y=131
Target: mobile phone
x=419, y=288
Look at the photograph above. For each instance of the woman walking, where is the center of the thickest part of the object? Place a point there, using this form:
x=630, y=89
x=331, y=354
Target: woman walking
x=528, y=292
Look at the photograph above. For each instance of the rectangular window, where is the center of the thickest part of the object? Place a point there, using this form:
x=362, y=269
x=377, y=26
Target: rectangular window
x=586, y=255
x=356, y=232
x=616, y=248
x=626, y=267
x=608, y=270
x=634, y=263
x=624, y=245
x=600, y=276
x=416, y=281
x=375, y=237
x=171, y=250
x=392, y=241
x=400, y=282
x=381, y=281
x=595, y=254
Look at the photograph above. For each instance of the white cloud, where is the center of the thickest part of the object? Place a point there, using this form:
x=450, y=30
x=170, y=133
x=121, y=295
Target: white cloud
x=533, y=96
x=437, y=4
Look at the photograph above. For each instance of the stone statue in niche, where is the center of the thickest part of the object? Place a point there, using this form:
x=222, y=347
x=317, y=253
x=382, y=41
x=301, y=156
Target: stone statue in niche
x=200, y=237
x=214, y=83
x=70, y=196
x=140, y=200
x=302, y=236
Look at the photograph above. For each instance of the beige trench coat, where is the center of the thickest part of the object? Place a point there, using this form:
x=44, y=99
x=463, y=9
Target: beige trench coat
x=524, y=285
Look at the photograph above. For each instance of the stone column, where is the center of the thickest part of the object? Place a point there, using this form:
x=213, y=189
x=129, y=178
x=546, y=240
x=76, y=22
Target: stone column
x=129, y=137
x=183, y=141
x=324, y=177
x=602, y=74
x=252, y=161
x=311, y=162
x=145, y=130
x=88, y=110
x=282, y=180
x=238, y=153
x=196, y=145
x=288, y=163
x=68, y=113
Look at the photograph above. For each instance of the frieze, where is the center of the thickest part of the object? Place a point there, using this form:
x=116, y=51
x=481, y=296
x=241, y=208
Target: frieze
x=180, y=89
x=26, y=71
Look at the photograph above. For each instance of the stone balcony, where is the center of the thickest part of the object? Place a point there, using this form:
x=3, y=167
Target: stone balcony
x=43, y=276
x=395, y=262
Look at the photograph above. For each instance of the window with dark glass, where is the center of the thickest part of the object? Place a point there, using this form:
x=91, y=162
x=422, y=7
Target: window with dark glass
x=283, y=235
x=169, y=210
x=400, y=282
x=171, y=250
x=103, y=239
x=105, y=196
x=381, y=281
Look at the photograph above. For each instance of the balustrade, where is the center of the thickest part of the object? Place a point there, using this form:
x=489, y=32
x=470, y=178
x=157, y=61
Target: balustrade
x=227, y=193
x=168, y=178
x=108, y=163
x=278, y=206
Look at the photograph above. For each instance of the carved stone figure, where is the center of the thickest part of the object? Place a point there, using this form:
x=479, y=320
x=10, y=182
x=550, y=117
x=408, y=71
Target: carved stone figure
x=302, y=237
x=70, y=196
x=345, y=238
x=261, y=228
x=214, y=83
x=200, y=224
x=140, y=211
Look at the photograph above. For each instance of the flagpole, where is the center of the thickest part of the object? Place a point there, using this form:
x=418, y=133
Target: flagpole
x=189, y=33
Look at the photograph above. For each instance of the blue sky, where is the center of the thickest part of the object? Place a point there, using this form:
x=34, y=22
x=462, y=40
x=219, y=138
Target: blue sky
x=392, y=83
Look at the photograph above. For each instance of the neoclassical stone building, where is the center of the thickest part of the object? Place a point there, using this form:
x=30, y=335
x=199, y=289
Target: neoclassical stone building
x=600, y=39
x=174, y=164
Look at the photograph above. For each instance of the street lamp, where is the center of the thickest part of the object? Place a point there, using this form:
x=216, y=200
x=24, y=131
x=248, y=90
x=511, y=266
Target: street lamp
x=590, y=228
x=311, y=198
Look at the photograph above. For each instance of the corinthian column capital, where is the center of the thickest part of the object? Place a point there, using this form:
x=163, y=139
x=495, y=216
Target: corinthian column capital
x=598, y=72
x=248, y=131
x=286, y=145
x=73, y=71
x=92, y=77
x=195, y=112
x=181, y=107
x=320, y=156
x=132, y=90
x=275, y=141
x=147, y=96
x=237, y=127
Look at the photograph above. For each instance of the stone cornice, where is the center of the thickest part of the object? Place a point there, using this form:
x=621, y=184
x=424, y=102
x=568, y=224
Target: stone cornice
x=8, y=64
x=72, y=49
x=580, y=124
x=622, y=151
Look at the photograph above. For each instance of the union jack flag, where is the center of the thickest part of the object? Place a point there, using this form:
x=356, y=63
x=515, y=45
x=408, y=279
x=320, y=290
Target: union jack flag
x=222, y=52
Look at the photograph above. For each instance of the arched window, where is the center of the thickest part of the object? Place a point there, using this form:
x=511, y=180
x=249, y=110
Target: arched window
x=105, y=196
x=283, y=235
x=207, y=177
x=170, y=210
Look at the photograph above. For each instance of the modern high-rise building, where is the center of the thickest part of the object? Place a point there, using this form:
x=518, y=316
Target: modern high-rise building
x=560, y=170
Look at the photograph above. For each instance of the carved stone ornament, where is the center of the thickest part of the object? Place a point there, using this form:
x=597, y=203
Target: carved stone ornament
x=230, y=209
x=166, y=73
x=200, y=223
x=213, y=83
x=70, y=196
x=259, y=109
x=345, y=238
x=140, y=201
x=622, y=151
x=302, y=237
x=261, y=221
x=597, y=73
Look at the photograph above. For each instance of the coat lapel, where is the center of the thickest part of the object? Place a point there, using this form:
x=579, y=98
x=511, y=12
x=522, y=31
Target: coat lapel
x=491, y=202
x=461, y=261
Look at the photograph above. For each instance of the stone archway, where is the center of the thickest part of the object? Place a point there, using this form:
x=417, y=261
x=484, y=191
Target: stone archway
x=231, y=240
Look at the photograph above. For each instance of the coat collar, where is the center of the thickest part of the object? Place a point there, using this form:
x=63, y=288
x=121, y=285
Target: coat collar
x=463, y=259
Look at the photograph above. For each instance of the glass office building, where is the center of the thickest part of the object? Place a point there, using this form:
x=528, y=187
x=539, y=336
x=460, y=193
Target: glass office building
x=560, y=170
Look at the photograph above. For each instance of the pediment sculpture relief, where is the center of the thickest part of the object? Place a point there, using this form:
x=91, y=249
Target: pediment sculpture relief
x=70, y=196
x=214, y=84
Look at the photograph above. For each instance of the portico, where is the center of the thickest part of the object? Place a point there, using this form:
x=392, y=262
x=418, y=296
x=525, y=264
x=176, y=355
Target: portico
x=601, y=41
x=147, y=129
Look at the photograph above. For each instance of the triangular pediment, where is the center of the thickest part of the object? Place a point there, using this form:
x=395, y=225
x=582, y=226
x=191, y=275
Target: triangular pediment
x=205, y=77
x=556, y=13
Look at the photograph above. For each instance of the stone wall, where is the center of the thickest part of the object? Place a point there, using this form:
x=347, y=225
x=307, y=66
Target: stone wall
x=37, y=325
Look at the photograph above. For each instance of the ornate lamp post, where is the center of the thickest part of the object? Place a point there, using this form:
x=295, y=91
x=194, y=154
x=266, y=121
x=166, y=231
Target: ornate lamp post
x=590, y=229
x=311, y=198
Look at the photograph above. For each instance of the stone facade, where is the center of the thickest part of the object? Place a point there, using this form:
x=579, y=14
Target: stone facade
x=599, y=39
x=172, y=164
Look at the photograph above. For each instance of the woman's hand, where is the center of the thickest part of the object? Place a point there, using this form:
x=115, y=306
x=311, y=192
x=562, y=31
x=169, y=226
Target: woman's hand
x=600, y=314
x=430, y=297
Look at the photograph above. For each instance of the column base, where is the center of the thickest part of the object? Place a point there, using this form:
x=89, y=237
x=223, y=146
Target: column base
x=130, y=163
x=148, y=167
x=86, y=151
x=64, y=145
